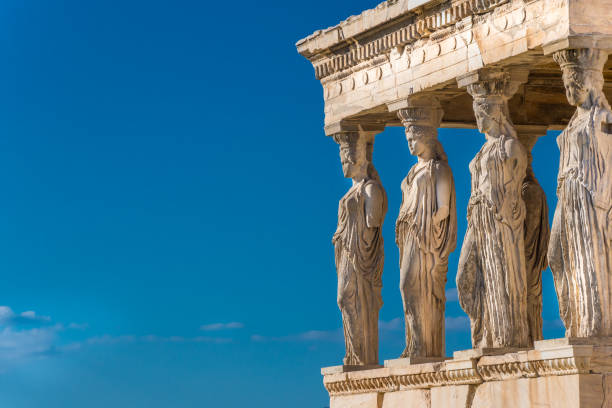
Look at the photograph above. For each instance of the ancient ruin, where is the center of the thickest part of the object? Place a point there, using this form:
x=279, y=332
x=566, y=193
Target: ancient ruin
x=426, y=230
x=512, y=69
x=359, y=249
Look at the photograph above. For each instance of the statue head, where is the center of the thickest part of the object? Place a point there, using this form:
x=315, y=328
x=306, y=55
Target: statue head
x=353, y=154
x=582, y=74
x=423, y=142
x=421, y=119
x=490, y=116
x=491, y=104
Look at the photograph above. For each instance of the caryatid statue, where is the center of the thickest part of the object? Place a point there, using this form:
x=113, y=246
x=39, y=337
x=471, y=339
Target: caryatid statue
x=580, y=248
x=426, y=230
x=537, y=233
x=359, y=249
x=491, y=277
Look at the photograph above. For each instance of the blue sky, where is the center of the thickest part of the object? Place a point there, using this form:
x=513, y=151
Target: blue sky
x=169, y=199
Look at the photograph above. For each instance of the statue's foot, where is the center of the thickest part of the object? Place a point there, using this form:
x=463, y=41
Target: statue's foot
x=406, y=353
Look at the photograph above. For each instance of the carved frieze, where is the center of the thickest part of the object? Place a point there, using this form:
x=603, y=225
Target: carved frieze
x=476, y=374
x=365, y=385
x=437, y=23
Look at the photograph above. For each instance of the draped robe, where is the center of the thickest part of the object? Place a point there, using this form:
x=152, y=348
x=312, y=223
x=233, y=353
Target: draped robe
x=491, y=278
x=359, y=257
x=580, y=248
x=537, y=234
x=424, y=248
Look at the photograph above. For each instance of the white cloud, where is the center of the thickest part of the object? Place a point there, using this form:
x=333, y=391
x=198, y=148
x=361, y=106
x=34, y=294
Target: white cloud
x=392, y=325
x=452, y=295
x=28, y=335
x=108, y=339
x=78, y=326
x=458, y=323
x=25, y=335
x=222, y=326
x=23, y=344
x=308, y=336
x=6, y=313
x=8, y=317
x=553, y=324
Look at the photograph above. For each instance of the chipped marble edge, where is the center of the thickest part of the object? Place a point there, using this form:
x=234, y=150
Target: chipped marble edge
x=389, y=11
x=544, y=350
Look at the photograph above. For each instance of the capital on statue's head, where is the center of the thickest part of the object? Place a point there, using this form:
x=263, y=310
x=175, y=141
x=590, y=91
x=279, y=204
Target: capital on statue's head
x=423, y=110
x=591, y=59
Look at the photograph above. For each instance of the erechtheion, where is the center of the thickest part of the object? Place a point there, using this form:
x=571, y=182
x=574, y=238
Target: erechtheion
x=512, y=69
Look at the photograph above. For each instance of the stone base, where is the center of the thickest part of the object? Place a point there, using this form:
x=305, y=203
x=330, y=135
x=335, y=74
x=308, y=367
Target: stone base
x=347, y=369
x=408, y=361
x=561, y=373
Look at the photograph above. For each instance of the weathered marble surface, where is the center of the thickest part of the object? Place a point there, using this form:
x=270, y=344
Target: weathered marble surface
x=405, y=47
x=371, y=67
x=537, y=234
x=560, y=373
x=359, y=249
x=491, y=277
x=407, y=399
x=581, y=249
x=426, y=230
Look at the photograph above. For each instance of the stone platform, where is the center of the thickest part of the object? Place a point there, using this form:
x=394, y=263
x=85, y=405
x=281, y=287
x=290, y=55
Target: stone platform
x=560, y=373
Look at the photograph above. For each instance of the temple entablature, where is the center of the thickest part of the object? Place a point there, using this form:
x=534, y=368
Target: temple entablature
x=371, y=61
x=513, y=69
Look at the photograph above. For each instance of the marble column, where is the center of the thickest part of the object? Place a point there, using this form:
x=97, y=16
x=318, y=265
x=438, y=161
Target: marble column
x=580, y=247
x=537, y=232
x=492, y=276
x=359, y=250
x=426, y=229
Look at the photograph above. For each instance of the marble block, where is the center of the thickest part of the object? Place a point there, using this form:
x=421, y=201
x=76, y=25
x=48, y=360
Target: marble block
x=407, y=399
x=347, y=368
x=560, y=373
x=409, y=361
x=370, y=400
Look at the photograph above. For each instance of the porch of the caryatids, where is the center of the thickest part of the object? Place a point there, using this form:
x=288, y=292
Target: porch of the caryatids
x=359, y=250
x=426, y=228
x=580, y=248
x=492, y=275
x=537, y=232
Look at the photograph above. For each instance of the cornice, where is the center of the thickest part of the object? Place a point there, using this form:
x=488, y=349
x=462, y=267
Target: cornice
x=437, y=24
x=557, y=361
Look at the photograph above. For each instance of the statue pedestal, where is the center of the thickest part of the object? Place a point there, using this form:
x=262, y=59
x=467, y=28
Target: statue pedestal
x=560, y=373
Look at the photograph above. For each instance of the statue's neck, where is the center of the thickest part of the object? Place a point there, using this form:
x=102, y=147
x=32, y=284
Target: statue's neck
x=591, y=102
x=357, y=180
x=424, y=158
x=585, y=108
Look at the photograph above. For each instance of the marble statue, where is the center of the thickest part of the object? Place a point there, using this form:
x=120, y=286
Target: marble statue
x=490, y=64
x=491, y=277
x=537, y=234
x=426, y=230
x=580, y=248
x=359, y=249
